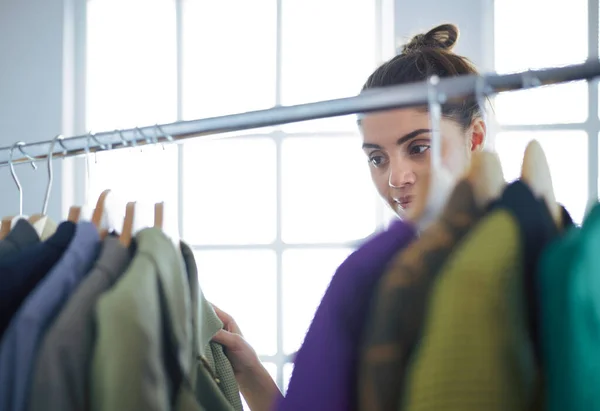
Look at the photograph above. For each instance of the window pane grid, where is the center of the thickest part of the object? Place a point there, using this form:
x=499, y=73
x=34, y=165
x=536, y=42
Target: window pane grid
x=561, y=116
x=280, y=58
x=515, y=112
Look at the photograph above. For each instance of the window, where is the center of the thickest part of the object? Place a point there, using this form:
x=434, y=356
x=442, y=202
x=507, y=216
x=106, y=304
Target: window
x=267, y=223
x=561, y=111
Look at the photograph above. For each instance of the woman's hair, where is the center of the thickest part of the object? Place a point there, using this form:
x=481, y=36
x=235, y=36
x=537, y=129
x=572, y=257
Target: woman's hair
x=426, y=55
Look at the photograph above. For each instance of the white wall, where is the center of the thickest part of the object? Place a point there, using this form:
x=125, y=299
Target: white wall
x=32, y=97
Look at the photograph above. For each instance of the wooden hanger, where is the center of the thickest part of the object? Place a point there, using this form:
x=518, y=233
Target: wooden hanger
x=486, y=177
x=35, y=218
x=5, y=226
x=167, y=225
x=74, y=214
x=127, y=231
x=535, y=172
x=159, y=212
x=99, y=213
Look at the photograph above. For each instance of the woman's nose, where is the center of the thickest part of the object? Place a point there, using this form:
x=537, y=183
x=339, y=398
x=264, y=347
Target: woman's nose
x=399, y=178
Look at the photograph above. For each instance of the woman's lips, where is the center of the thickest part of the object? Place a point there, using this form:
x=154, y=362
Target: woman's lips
x=404, y=202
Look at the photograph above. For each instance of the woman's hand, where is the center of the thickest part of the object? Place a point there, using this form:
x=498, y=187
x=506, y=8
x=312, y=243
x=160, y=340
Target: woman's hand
x=255, y=382
x=242, y=356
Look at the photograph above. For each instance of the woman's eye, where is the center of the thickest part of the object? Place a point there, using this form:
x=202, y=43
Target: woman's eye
x=419, y=149
x=377, y=161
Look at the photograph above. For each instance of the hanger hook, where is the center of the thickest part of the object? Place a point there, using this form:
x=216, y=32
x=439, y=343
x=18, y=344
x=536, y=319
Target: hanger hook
x=169, y=137
x=14, y=174
x=435, y=117
x=62, y=144
x=529, y=79
x=88, y=152
x=20, y=147
x=123, y=139
x=87, y=165
x=101, y=146
x=144, y=136
x=50, y=172
x=133, y=141
x=148, y=139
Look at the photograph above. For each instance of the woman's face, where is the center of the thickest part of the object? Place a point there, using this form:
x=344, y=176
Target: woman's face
x=397, y=144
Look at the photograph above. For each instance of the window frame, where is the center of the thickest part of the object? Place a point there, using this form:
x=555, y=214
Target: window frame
x=74, y=181
x=75, y=184
x=591, y=126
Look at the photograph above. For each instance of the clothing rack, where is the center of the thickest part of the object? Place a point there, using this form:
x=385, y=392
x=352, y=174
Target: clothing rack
x=403, y=96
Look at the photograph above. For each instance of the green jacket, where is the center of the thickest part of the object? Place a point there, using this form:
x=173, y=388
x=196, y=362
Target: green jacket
x=148, y=337
x=211, y=366
x=569, y=293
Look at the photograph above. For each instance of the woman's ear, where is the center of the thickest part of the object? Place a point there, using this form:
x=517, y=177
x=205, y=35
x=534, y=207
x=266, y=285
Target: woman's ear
x=477, y=134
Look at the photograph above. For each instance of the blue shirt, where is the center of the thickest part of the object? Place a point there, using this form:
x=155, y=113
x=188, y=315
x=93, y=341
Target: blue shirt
x=19, y=346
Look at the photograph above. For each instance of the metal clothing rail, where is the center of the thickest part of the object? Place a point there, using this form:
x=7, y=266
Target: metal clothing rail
x=402, y=96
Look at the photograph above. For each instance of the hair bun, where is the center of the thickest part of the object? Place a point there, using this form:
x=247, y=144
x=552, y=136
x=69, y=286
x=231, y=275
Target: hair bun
x=442, y=37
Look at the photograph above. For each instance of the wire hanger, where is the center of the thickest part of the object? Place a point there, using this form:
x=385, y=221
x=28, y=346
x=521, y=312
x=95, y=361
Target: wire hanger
x=99, y=212
x=14, y=175
x=87, y=169
x=37, y=217
x=431, y=195
x=41, y=222
x=100, y=209
x=74, y=210
x=170, y=227
x=7, y=222
x=158, y=207
x=167, y=136
x=126, y=234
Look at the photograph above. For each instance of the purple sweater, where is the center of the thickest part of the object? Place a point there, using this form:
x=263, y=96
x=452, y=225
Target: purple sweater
x=324, y=376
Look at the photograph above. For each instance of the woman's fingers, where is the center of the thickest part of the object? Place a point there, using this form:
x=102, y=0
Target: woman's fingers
x=228, y=322
x=230, y=340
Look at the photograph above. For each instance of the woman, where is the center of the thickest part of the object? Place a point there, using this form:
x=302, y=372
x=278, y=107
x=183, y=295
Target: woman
x=397, y=145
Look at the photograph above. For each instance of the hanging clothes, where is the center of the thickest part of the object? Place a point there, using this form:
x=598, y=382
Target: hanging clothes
x=212, y=377
x=19, y=238
x=399, y=303
x=476, y=351
x=569, y=290
x=21, y=341
x=152, y=326
x=131, y=359
x=325, y=366
x=61, y=377
x=22, y=272
x=45, y=227
x=537, y=230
